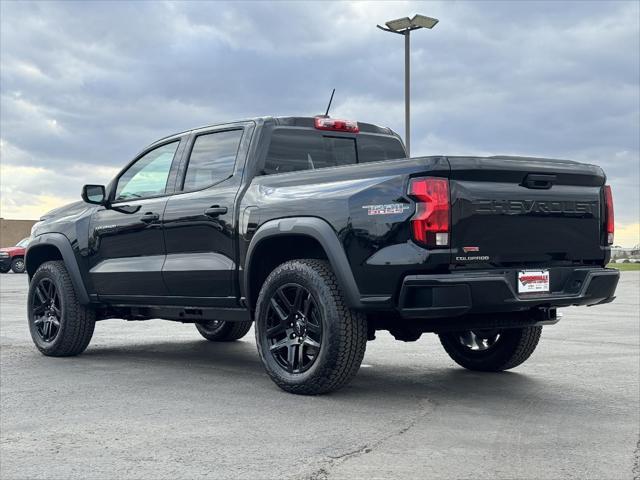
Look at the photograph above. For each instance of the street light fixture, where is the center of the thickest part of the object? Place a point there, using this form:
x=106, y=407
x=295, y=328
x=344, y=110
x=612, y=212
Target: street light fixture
x=404, y=26
x=399, y=24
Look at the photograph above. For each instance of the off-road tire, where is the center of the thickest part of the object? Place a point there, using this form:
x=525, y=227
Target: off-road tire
x=5, y=268
x=77, y=321
x=225, y=332
x=344, y=331
x=513, y=347
x=17, y=265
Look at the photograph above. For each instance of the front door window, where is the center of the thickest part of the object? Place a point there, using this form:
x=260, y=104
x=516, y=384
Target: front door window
x=148, y=176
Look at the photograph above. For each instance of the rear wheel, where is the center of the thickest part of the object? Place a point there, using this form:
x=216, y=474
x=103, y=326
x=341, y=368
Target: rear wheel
x=220, y=331
x=5, y=268
x=491, y=350
x=309, y=341
x=17, y=265
x=59, y=325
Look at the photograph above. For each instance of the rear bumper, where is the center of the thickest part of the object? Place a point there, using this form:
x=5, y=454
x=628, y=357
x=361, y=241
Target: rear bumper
x=456, y=294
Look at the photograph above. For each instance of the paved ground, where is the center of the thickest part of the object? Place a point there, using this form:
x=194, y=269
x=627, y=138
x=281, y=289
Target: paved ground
x=154, y=400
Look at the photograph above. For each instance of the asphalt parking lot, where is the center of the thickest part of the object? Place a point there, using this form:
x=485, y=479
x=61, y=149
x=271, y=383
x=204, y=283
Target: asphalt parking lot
x=155, y=400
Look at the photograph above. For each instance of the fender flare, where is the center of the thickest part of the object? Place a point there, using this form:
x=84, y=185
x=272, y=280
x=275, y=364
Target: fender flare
x=319, y=230
x=61, y=242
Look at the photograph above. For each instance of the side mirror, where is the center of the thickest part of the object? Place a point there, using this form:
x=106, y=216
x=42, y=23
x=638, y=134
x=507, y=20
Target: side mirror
x=95, y=194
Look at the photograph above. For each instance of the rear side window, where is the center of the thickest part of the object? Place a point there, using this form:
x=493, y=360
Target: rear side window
x=375, y=148
x=212, y=159
x=293, y=150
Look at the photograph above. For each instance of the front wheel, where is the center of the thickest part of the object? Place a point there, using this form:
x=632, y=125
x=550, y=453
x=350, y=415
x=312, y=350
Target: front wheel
x=491, y=350
x=60, y=325
x=309, y=341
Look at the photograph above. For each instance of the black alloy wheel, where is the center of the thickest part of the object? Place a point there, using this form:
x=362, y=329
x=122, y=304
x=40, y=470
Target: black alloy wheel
x=294, y=328
x=59, y=324
x=46, y=310
x=478, y=340
x=211, y=328
x=309, y=341
x=491, y=350
x=223, y=331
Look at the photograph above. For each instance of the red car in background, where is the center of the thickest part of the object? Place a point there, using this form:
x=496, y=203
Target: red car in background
x=12, y=258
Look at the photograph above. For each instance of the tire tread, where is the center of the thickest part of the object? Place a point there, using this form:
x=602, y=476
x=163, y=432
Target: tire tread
x=517, y=346
x=79, y=321
x=351, y=338
x=230, y=332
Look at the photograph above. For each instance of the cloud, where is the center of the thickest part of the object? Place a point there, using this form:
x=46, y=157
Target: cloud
x=29, y=191
x=628, y=235
x=86, y=85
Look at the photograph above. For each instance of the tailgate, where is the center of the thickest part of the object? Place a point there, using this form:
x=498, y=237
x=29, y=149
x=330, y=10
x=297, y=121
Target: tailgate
x=510, y=211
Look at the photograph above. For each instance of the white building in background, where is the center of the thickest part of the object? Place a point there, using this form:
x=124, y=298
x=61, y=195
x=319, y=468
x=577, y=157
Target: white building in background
x=621, y=252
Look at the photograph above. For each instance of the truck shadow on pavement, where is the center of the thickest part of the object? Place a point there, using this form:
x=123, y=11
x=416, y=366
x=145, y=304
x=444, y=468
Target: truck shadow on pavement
x=238, y=362
x=203, y=353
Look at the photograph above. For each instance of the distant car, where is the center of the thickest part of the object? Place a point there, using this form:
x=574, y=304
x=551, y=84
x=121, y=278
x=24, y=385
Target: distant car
x=12, y=258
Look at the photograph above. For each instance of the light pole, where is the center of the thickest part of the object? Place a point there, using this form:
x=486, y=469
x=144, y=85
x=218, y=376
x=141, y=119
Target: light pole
x=404, y=26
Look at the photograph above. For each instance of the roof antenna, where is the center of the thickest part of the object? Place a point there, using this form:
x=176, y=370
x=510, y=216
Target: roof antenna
x=326, y=114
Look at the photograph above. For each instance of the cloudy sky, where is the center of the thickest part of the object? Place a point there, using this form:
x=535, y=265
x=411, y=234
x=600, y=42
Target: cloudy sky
x=85, y=85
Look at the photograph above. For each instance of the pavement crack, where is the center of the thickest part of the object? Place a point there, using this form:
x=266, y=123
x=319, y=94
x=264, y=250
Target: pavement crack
x=324, y=472
x=352, y=453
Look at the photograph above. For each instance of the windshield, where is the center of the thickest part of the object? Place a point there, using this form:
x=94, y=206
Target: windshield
x=23, y=243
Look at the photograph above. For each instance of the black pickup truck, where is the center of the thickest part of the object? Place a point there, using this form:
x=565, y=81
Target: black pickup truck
x=323, y=232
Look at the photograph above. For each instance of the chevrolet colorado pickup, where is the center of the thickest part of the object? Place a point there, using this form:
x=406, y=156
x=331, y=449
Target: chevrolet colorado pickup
x=323, y=232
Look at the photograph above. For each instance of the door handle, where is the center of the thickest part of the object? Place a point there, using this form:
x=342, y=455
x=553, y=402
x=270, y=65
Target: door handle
x=215, y=211
x=539, y=182
x=149, y=217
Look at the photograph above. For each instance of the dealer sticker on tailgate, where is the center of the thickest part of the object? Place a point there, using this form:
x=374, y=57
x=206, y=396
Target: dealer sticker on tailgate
x=533, y=281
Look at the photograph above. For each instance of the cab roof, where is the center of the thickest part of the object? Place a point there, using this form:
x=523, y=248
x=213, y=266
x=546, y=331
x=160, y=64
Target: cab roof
x=304, y=122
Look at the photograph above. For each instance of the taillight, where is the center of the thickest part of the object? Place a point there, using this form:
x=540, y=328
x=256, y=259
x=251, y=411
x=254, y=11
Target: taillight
x=430, y=223
x=608, y=204
x=323, y=123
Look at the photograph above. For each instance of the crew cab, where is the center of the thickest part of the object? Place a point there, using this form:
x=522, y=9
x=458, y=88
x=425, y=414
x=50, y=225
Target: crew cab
x=322, y=232
x=12, y=258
